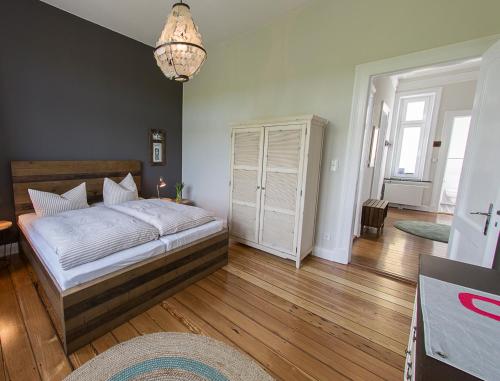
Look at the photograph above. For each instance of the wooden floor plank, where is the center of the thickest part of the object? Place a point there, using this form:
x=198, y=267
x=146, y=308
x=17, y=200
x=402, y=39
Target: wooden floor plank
x=286, y=324
x=266, y=356
x=366, y=312
x=343, y=284
x=199, y=326
x=358, y=309
x=296, y=336
x=386, y=341
x=335, y=290
x=125, y=332
x=104, y=342
x=166, y=321
x=53, y=365
x=362, y=276
x=144, y=324
x=396, y=252
x=18, y=354
x=82, y=355
x=308, y=362
x=323, y=321
x=375, y=350
x=3, y=369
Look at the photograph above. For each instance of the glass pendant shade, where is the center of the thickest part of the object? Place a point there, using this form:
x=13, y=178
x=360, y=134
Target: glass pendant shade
x=179, y=51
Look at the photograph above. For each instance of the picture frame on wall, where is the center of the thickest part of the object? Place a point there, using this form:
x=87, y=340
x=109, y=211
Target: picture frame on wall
x=157, y=147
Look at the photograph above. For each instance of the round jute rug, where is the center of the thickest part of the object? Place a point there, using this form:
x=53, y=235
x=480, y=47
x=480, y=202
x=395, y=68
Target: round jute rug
x=170, y=357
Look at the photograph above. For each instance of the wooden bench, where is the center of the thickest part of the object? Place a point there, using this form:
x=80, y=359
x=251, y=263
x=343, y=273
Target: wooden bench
x=374, y=214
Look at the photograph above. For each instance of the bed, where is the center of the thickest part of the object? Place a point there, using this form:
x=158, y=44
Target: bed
x=91, y=299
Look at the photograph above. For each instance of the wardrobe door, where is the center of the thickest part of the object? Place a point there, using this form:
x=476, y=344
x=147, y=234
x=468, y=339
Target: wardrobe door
x=246, y=172
x=281, y=184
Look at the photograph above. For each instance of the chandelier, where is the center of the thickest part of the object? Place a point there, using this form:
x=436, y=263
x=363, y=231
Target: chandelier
x=179, y=51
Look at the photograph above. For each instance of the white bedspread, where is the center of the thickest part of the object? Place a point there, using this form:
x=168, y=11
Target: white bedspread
x=168, y=217
x=82, y=236
x=114, y=262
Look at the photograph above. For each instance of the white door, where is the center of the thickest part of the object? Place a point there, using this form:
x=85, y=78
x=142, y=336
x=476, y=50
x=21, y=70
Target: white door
x=473, y=239
x=281, y=184
x=246, y=173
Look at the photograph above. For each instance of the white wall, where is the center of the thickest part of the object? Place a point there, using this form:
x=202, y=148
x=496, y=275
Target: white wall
x=305, y=63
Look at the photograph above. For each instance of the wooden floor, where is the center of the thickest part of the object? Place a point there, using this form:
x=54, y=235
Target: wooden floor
x=322, y=322
x=395, y=252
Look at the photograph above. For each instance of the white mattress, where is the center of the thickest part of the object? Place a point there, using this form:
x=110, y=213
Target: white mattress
x=117, y=261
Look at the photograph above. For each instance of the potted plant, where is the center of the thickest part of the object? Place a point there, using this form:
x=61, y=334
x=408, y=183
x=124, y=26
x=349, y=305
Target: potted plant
x=178, y=192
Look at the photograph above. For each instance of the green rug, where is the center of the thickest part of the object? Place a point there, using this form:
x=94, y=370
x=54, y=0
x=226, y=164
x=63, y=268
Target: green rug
x=429, y=230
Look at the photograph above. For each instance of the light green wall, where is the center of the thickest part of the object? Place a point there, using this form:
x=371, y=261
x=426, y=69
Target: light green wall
x=304, y=63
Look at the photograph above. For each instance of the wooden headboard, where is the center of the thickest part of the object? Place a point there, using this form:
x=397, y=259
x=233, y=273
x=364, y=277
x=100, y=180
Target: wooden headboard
x=61, y=176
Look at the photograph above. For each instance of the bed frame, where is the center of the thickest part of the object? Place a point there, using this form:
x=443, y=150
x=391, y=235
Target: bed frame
x=84, y=312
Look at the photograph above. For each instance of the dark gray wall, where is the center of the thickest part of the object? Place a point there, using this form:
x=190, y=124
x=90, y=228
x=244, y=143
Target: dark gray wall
x=72, y=90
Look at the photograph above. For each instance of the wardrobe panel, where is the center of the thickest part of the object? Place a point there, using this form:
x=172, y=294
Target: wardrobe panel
x=283, y=146
x=247, y=148
x=279, y=230
x=281, y=190
x=246, y=174
x=244, y=222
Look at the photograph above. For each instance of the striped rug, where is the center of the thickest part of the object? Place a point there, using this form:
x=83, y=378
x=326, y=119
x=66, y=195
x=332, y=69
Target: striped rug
x=171, y=357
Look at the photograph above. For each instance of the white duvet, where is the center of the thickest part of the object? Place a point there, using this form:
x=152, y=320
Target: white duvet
x=168, y=217
x=82, y=236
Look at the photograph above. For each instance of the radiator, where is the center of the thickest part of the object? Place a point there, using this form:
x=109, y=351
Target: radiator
x=405, y=194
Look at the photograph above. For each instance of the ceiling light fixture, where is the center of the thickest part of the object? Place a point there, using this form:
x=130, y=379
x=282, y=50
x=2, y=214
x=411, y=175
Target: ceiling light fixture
x=179, y=51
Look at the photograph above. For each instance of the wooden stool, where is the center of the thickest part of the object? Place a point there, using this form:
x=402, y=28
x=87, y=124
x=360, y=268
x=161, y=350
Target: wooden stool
x=4, y=227
x=374, y=214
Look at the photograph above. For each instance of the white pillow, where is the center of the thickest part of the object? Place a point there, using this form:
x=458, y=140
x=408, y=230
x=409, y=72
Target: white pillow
x=48, y=204
x=114, y=193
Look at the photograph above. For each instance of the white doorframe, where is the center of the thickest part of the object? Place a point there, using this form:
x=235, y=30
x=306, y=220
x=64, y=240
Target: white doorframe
x=437, y=188
x=363, y=73
x=364, y=156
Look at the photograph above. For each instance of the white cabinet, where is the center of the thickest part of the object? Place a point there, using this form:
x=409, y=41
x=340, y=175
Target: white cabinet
x=275, y=169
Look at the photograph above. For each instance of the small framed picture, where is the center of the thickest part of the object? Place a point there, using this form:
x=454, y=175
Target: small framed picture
x=157, y=147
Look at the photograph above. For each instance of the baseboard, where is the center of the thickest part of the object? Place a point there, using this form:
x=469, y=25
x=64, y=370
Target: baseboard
x=423, y=208
x=335, y=255
x=10, y=249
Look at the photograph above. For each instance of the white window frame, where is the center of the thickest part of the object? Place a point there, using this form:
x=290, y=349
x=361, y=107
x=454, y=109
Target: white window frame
x=428, y=125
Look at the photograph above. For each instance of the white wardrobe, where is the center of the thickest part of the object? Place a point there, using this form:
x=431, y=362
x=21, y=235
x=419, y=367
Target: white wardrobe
x=275, y=171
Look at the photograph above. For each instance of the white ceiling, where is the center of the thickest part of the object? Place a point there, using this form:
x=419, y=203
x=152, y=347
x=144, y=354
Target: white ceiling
x=143, y=20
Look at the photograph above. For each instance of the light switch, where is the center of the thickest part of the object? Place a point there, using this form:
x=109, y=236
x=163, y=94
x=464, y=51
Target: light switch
x=334, y=164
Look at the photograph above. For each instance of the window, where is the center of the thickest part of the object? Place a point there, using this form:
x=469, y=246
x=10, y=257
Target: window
x=412, y=135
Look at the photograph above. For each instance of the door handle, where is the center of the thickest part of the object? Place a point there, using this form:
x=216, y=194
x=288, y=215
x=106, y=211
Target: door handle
x=488, y=217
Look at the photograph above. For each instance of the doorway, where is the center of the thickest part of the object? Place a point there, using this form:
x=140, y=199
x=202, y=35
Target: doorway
x=413, y=148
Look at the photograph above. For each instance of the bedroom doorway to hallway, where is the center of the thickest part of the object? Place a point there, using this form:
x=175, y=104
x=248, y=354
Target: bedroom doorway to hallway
x=416, y=130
